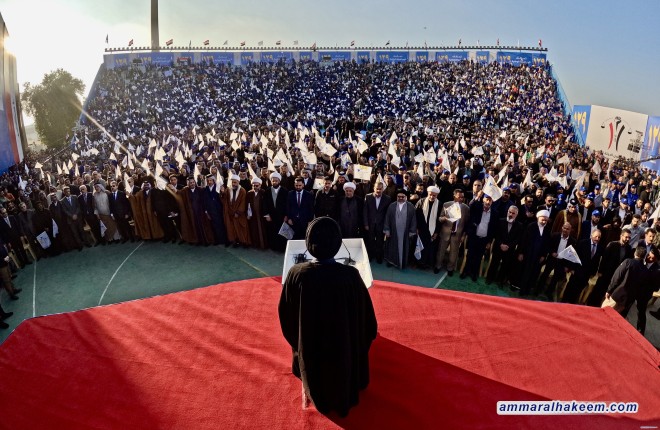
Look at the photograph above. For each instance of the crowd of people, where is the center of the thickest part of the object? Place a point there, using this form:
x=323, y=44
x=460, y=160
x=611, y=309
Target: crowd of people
x=449, y=168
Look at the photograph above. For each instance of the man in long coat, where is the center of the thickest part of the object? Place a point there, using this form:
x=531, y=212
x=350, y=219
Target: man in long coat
x=274, y=212
x=428, y=212
x=235, y=203
x=192, y=204
x=256, y=221
x=146, y=223
x=400, y=226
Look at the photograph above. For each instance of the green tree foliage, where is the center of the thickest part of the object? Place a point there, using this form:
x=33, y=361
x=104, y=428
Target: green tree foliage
x=55, y=105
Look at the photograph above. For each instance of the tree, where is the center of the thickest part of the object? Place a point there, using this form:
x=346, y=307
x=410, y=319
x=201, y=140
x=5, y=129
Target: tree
x=55, y=105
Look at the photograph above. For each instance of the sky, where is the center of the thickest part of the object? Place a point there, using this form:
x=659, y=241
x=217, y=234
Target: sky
x=604, y=52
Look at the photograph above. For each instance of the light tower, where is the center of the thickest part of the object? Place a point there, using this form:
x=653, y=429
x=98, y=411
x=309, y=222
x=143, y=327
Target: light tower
x=155, y=45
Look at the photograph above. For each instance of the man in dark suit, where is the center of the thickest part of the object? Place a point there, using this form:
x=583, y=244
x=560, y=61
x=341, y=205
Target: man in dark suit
x=308, y=180
x=480, y=231
x=10, y=234
x=373, y=219
x=451, y=233
x=532, y=252
x=326, y=201
x=589, y=225
x=299, y=208
x=86, y=201
x=590, y=252
x=615, y=252
x=73, y=216
x=120, y=209
x=558, y=242
x=628, y=279
x=275, y=202
x=649, y=239
x=507, y=236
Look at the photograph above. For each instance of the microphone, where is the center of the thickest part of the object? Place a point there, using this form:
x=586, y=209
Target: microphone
x=349, y=261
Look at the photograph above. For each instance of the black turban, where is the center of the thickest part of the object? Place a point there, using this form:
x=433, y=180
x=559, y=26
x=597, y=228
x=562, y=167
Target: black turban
x=323, y=238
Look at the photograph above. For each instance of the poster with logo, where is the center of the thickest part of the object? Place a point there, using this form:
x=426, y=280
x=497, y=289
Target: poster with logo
x=616, y=132
x=651, y=147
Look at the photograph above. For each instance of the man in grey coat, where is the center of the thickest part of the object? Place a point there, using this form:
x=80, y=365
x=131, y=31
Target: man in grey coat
x=400, y=226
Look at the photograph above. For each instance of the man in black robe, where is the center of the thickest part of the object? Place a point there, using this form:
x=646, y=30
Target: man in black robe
x=327, y=317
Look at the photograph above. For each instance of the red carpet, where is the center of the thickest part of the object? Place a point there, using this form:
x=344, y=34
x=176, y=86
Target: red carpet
x=214, y=358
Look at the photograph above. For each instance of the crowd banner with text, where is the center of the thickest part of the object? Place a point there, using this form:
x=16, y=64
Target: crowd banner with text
x=580, y=121
x=218, y=57
x=306, y=56
x=422, y=56
x=514, y=58
x=616, y=132
x=363, y=57
x=651, y=147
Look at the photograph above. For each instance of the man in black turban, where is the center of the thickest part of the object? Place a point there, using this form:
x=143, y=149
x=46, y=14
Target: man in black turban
x=327, y=317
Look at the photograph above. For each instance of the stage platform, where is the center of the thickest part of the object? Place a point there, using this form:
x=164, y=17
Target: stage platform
x=214, y=358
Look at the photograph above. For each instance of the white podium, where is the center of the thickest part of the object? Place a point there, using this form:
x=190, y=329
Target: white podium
x=356, y=248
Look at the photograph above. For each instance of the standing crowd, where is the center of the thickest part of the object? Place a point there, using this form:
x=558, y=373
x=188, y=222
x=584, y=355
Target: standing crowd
x=449, y=168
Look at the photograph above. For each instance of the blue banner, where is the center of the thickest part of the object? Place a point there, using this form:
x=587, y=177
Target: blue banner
x=392, y=56
x=539, y=58
x=246, y=58
x=335, y=56
x=145, y=57
x=363, y=57
x=451, y=56
x=580, y=119
x=651, y=146
x=120, y=60
x=218, y=57
x=422, y=56
x=483, y=57
x=514, y=58
x=162, y=58
x=306, y=56
x=185, y=58
x=442, y=56
x=274, y=57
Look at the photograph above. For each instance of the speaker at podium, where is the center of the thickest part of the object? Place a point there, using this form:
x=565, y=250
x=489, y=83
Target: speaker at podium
x=352, y=252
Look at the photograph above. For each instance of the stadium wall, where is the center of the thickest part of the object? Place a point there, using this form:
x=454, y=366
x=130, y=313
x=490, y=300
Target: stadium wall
x=243, y=57
x=12, y=133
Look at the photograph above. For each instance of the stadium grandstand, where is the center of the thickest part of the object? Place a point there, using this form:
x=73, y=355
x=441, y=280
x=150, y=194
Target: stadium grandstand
x=182, y=172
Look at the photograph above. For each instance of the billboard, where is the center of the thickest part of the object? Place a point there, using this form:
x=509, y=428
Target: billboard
x=451, y=56
x=580, y=121
x=162, y=58
x=12, y=135
x=616, y=132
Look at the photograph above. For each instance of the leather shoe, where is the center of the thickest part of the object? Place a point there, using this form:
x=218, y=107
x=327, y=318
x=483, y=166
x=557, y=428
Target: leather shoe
x=4, y=325
x=17, y=290
x=474, y=278
x=14, y=297
x=6, y=315
x=463, y=275
x=436, y=270
x=656, y=314
x=450, y=273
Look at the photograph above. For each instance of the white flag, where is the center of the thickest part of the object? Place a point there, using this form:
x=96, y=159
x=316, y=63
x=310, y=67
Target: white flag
x=492, y=189
x=596, y=168
x=569, y=254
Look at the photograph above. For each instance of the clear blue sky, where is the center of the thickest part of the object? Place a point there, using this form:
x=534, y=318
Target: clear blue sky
x=605, y=52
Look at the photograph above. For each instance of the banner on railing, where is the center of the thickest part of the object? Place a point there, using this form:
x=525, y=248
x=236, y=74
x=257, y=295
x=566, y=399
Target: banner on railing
x=482, y=57
x=218, y=57
x=651, y=146
x=306, y=56
x=247, y=58
x=392, y=56
x=580, y=121
x=328, y=56
x=274, y=57
x=422, y=56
